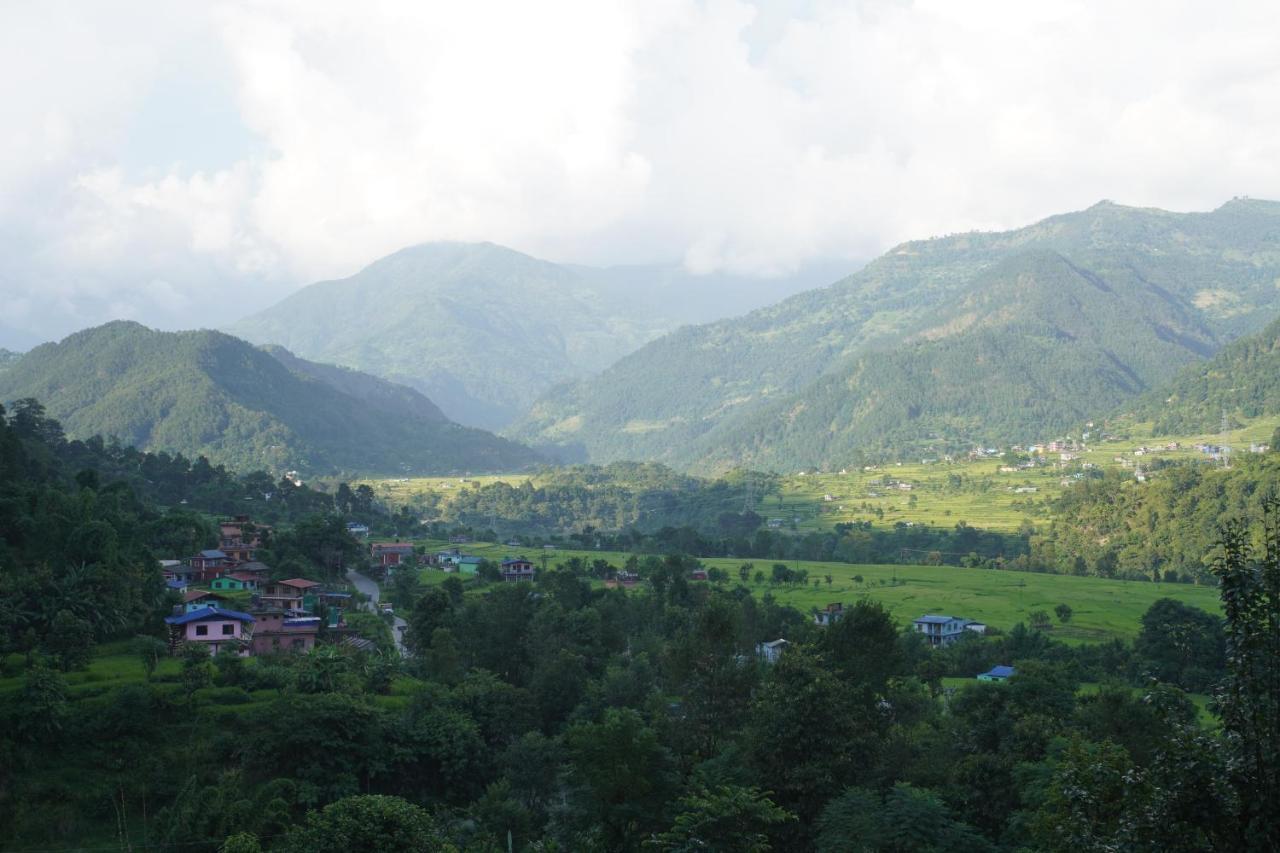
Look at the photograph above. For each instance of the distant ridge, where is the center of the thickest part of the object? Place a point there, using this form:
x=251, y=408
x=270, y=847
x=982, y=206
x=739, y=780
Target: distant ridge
x=981, y=337
x=1242, y=381
x=208, y=393
x=483, y=330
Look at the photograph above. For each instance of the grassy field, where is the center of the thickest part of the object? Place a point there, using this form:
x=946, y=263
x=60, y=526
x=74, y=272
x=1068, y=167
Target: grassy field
x=941, y=492
x=1102, y=609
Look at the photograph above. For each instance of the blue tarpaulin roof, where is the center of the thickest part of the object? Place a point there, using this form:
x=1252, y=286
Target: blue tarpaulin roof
x=1000, y=672
x=208, y=613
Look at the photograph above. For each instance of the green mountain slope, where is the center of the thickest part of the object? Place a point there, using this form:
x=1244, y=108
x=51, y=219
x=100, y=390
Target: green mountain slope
x=974, y=337
x=483, y=330
x=1242, y=380
x=209, y=393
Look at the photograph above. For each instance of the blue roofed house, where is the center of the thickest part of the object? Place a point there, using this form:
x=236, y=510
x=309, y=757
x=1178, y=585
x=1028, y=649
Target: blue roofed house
x=998, y=673
x=940, y=630
x=213, y=627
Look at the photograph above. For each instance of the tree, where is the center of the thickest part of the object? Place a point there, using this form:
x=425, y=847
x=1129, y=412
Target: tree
x=366, y=823
x=149, y=650
x=905, y=820
x=727, y=818
x=1063, y=612
x=1039, y=620
x=1181, y=644
x=1250, y=589
x=744, y=571
x=44, y=707
x=70, y=640
x=621, y=774
x=197, y=670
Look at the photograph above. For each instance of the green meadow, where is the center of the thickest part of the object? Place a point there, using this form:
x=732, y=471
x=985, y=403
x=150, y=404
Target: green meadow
x=1102, y=609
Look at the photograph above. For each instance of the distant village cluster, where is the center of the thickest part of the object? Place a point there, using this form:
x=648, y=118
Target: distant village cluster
x=230, y=603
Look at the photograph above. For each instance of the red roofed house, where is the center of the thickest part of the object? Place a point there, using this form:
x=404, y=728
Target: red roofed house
x=387, y=554
x=286, y=595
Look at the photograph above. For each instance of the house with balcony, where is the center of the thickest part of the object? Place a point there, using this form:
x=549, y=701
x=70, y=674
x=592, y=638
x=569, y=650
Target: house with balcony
x=291, y=594
x=516, y=569
x=276, y=632
x=940, y=630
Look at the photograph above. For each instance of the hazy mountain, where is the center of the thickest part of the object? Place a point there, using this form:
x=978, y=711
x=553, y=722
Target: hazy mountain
x=972, y=337
x=1242, y=380
x=484, y=330
x=208, y=393
x=8, y=358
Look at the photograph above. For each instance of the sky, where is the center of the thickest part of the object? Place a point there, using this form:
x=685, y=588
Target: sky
x=186, y=163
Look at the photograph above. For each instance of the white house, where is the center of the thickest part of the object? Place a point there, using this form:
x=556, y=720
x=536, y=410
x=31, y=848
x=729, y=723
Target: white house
x=940, y=630
x=770, y=652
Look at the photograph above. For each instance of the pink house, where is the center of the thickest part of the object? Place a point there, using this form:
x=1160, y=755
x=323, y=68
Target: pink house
x=215, y=628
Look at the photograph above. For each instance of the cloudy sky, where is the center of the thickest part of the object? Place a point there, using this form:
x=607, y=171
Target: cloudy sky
x=186, y=163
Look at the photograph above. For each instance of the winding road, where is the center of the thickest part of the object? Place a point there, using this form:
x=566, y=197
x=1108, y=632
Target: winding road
x=368, y=586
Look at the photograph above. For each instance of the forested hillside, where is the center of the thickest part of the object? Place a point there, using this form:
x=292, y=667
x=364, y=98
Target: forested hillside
x=8, y=358
x=1242, y=381
x=483, y=330
x=206, y=393
x=939, y=343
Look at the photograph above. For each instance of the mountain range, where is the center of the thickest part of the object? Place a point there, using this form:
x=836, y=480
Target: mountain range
x=938, y=344
x=1241, y=382
x=208, y=393
x=484, y=330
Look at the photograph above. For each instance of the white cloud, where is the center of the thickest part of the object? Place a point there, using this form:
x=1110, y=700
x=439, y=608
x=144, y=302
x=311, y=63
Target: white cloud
x=736, y=136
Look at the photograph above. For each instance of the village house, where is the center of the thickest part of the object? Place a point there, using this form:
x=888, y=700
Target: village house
x=239, y=539
x=998, y=673
x=391, y=554
x=623, y=579
x=255, y=569
x=176, y=584
x=209, y=564
x=517, y=569
x=832, y=614
x=289, y=594
x=940, y=630
x=213, y=627
x=276, y=631
x=698, y=575
x=227, y=584
x=357, y=529
x=771, y=651
x=199, y=599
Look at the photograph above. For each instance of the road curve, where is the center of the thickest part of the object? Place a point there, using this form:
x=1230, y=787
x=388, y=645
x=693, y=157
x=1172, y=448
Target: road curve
x=368, y=586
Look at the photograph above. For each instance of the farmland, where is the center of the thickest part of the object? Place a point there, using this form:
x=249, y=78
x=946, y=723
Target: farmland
x=935, y=493
x=1102, y=609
